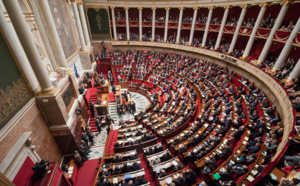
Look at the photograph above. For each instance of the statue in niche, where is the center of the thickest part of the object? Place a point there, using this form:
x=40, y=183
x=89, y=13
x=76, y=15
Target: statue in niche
x=99, y=19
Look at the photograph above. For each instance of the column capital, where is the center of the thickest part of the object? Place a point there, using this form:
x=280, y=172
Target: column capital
x=140, y=8
x=287, y=2
x=167, y=8
x=79, y=2
x=211, y=7
x=153, y=8
x=264, y=4
x=126, y=8
x=181, y=8
x=245, y=6
x=195, y=8
x=227, y=7
x=112, y=7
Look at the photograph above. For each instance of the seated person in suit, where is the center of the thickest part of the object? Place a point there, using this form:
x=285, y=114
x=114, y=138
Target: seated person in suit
x=240, y=169
x=140, y=181
x=162, y=173
x=180, y=181
x=135, y=166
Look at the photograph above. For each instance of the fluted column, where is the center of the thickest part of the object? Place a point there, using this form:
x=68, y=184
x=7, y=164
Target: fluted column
x=57, y=47
x=237, y=29
x=16, y=46
x=25, y=36
x=279, y=19
x=296, y=71
x=140, y=23
x=153, y=23
x=207, y=25
x=179, y=24
x=193, y=26
x=222, y=26
x=127, y=23
x=287, y=47
x=254, y=30
x=84, y=25
x=79, y=26
x=114, y=22
x=166, y=24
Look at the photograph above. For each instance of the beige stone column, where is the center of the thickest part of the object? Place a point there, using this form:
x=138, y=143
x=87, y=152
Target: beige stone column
x=237, y=28
x=26, y=38
x=54, y=38
x=84, y=25
x=222, y=26
x=296, y=71
x=207, y=25
x=193, y=26
x=18, y=50
x=254, y=30
x=114, y=22
x=153, y=23
x=287, y=47
x=140, y=23
x=179, y=24
x=166, y=24
x=79, y=26
x=127, y=23
x=279, y=19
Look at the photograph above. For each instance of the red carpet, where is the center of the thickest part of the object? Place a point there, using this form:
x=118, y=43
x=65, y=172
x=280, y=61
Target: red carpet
x=112, y=97
x=113, y=137
x=87, y=173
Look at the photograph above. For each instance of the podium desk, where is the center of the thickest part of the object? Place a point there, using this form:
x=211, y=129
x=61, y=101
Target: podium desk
x=118, y=95
x=123, y=84
x=103, y=108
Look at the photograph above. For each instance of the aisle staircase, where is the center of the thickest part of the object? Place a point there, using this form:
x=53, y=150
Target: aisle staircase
x=113, y=112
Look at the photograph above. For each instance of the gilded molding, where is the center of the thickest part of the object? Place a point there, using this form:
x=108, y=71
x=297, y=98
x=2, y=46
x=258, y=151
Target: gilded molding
x=153, y=8
x=245, y=6
x=12, y=99
x=265, y=5
x=126, y=8
x=195, y=8
x=287, y=2
x=112, y=7
x=181, y=8
x=227, y=7
x=211, y=7
x=140, y=8
x=167, y=8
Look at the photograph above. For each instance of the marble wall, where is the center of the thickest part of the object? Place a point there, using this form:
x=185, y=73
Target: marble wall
x=45, y=145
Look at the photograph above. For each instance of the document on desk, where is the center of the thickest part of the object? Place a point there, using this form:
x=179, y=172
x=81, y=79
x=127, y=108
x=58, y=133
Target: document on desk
x=254, y=172
x=250, y=178
x=168, y=180
x=158, y=168
x=174, y=163
x=115, y=180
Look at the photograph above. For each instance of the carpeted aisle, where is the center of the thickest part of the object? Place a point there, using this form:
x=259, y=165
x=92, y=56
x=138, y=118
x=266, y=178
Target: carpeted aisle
x=87, y=173
x=112, y=139
x=112, y=97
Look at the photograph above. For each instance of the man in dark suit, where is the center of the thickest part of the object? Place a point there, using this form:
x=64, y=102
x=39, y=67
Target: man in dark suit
x=135, y=166
x=92, y=109
x=240, y=169
x=190, y=177
x=180, y=181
